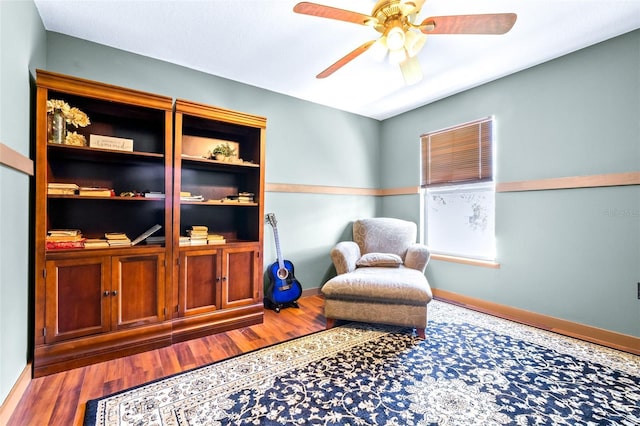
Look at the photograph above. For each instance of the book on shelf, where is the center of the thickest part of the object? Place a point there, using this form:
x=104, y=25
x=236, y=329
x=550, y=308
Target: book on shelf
x=116, y=236
x=86, y=191
x=192, y=198
x=160, y=239
x=197, y=236
x=54, y=245
x=241, y=197
x=96, y=243
x=62, y=185
x=154, y=194
x=54, y=188
x=215, y=239
x=198, y=242
x=119, y=243
x=67, y=232
x=245, y=197
x=64, y=238
x=117, y=239
x=184, y=241
x=145, y=234
x=59, y=191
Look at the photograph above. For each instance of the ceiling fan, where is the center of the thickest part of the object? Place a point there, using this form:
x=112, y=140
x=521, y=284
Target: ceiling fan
x=401, y=36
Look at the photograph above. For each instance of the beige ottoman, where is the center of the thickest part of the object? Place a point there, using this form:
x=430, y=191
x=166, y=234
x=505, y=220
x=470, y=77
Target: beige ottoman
x=397, y=296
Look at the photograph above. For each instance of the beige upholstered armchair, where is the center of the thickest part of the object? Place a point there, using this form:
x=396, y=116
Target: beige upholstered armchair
x=380, y=276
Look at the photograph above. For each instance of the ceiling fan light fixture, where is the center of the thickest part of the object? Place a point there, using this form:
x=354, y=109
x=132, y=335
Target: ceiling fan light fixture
x=411, y=71
x=413, y=42
x=379, y=49
x=398, y=56
x=395, y=38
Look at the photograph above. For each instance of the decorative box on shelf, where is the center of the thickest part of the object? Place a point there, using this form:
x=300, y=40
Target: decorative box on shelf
x=110, y=142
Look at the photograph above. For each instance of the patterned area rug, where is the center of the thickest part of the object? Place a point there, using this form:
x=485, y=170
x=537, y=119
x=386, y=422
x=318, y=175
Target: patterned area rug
x=472, y=369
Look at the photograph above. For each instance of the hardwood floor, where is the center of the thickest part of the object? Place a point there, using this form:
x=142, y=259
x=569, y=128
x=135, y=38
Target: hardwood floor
x=59, y=399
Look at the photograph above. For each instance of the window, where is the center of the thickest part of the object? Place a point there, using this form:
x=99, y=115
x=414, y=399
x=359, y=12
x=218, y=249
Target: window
x=459, y=193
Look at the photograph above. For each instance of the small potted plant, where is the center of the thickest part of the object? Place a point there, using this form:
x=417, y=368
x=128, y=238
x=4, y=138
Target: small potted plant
x=223, y=152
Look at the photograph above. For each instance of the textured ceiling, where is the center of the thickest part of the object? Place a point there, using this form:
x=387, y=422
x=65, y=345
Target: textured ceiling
x=264, y=43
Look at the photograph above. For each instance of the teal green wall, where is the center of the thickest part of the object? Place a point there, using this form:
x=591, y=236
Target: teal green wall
x=306, y=144
x=18, y=55
x=573, y=254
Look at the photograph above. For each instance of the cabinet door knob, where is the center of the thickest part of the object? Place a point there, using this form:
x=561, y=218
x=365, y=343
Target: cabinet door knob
x=106, y=293
x=114, y=293
x=224, y=278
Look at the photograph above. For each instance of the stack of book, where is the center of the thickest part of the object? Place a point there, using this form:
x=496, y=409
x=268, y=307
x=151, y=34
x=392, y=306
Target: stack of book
x=198, y=235
x=215, y=239
x=117, y=239
x=245, y=197
x=87, y=191
x=185, y=241
x=242, y=197
x=96, y=243
x=62, y=188
x=64, y=239
x=187, y=196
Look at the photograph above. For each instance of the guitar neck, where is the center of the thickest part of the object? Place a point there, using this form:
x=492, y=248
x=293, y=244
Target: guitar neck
x=277, y=240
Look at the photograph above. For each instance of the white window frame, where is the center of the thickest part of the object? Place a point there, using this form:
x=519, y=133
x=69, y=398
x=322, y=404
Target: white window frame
x=473, y=222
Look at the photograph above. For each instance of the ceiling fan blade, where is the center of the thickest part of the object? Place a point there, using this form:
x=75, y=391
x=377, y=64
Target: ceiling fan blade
x=346, y=59
x=314, y=9
x=493, y=23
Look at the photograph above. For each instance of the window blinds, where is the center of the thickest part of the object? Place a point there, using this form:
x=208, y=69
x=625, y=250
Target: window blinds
x=460, y=154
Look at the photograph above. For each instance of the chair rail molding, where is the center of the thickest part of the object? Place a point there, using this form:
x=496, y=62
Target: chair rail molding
x=569, y=182
x=15, y=160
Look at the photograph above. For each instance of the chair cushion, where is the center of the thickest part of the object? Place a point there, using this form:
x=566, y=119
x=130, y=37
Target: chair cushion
x=388, y=260
x=384, y=235
x=382, y=285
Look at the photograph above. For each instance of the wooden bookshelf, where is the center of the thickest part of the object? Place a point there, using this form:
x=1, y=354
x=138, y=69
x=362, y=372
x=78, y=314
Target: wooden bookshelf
x=100, y=303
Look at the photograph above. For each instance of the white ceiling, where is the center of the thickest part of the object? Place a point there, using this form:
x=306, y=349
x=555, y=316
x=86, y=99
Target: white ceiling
x=264, y=43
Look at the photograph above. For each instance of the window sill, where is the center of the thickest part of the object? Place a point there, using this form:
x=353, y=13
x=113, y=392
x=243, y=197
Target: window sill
x=466, y=261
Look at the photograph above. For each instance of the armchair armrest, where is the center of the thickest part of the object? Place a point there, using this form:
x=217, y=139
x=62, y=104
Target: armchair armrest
x=417, y=257
x=344, y=255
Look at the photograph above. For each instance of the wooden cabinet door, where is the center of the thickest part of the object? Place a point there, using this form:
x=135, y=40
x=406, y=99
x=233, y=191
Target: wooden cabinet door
x=200, y=278
x=137, y=290
x=77, y=299
x=241, y=276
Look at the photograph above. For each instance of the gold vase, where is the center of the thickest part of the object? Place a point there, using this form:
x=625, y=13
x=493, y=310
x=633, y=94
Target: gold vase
x=56, y=127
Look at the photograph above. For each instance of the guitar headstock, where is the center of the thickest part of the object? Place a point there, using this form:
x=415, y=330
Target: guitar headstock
x=270, y=218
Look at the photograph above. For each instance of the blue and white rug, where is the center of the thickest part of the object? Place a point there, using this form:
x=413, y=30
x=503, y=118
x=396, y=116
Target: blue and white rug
x=472, y=369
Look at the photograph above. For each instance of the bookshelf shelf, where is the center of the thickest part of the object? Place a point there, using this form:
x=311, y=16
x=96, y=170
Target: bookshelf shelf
x=219, y=203
x=114, y=198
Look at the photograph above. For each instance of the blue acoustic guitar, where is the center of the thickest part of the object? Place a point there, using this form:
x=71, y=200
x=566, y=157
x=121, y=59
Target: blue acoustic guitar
x=283, y=289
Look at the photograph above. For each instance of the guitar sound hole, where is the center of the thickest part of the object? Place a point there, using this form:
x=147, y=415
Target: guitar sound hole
x=283, y=273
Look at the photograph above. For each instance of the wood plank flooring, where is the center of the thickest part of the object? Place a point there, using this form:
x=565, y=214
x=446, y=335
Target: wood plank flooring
x=59, y=399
